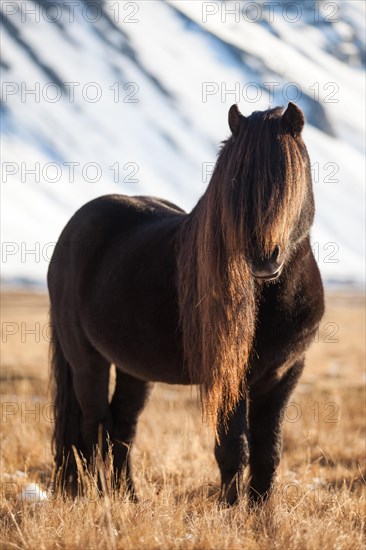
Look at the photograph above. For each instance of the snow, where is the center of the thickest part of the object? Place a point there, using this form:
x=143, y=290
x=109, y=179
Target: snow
x=33, y=493
x=154, y=127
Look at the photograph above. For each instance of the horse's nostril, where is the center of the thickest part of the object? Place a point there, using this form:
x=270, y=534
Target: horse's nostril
x=275, y=253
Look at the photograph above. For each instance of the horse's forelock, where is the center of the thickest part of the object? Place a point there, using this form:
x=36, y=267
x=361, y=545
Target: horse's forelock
x=268, y=168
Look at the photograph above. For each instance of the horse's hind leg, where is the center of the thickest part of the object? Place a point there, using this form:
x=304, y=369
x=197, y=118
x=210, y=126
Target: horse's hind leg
x=90, y=378
x=91, y=388
x=128, y=401
x=232, y=454
x=81, y=377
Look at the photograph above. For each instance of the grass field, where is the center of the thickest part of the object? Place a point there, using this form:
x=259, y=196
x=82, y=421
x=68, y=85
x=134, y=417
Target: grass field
x=319, y=499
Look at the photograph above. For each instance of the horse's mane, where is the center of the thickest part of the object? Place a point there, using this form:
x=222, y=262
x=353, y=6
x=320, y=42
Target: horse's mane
x=253, y=199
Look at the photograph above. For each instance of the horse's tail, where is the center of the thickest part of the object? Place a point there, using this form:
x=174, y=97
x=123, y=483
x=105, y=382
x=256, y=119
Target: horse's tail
x=66, y=411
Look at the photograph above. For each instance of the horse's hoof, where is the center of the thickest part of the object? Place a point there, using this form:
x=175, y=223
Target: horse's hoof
x=133, y=498
x=229, y=497
x=257, y=499
x=225, y=503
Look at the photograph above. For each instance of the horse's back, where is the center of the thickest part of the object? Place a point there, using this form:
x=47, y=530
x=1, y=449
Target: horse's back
x=117, y=212
x=99, y=222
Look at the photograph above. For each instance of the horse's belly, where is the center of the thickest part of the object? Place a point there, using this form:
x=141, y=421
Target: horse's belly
x=169, y=373
x=149, y=349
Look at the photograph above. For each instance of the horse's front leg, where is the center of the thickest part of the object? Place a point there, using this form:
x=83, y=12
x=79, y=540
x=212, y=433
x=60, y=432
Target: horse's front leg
x=232, y=454
x=265, y=433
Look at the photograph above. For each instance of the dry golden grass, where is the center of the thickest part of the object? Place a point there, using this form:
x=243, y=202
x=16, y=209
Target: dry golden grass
x=319, y=500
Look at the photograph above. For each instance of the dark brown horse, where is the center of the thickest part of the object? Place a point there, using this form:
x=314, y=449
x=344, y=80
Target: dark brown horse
x=228, y=297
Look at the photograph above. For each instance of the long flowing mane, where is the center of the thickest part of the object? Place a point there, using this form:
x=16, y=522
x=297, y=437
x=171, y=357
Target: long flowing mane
x=252, y=201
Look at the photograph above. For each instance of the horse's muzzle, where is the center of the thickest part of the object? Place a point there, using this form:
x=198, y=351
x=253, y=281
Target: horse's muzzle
x=267, y=269
x=266, y=275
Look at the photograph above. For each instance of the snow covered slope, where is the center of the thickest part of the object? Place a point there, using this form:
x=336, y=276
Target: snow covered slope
x=132, y=97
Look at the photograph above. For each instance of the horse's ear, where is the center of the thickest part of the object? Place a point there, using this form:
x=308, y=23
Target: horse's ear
x=294, y=119
x=235, y=117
